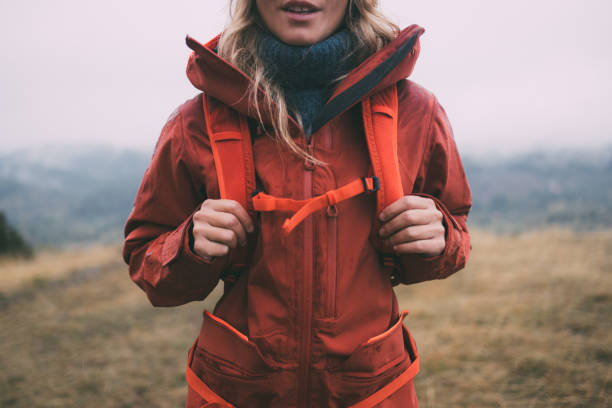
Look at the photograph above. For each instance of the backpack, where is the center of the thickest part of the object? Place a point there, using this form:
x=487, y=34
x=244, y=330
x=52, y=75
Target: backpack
x=230, y=138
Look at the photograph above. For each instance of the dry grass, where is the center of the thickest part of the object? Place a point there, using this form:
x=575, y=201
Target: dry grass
x=526, y=325
x=49, y=265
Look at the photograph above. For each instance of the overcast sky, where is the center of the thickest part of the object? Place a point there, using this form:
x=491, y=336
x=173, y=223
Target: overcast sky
x=512, y=75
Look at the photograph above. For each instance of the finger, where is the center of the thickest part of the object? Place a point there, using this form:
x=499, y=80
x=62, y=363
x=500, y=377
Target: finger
x=208, y=249
x=408, y=218
x=428, y=247
x=234, y=208
x=408, y=202
x=228, y=221
x=208, y=218
x=416, y=233
x=223, y=236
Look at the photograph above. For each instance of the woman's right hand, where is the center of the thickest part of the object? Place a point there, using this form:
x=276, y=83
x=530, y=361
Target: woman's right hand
x=218, y=226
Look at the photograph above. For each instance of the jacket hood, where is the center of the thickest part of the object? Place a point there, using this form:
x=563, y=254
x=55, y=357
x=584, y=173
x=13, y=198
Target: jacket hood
x=216, y=77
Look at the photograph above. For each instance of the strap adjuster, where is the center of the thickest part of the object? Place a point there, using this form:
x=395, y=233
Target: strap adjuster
x=375, y=184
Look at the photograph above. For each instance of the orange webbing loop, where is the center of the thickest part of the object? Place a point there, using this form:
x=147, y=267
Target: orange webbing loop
x=303, y=208
x=212, y=399
x=397, y=383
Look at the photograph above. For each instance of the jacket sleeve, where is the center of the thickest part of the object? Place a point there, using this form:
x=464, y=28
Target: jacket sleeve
x=157, y=232
x=445, y=182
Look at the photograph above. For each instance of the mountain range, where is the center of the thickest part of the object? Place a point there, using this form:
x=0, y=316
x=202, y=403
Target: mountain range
x=62, y=195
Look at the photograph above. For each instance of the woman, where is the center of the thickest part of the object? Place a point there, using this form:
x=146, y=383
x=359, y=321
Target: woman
x=311, y=320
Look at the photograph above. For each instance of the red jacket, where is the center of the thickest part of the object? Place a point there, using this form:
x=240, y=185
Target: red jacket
x=314, y=321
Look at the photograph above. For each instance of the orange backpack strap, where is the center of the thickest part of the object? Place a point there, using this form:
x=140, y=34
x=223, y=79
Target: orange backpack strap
x=380, y=124
x=380, y=115
x=230, y=141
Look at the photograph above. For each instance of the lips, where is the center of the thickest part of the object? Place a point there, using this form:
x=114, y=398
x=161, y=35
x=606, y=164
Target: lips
x=300, y=7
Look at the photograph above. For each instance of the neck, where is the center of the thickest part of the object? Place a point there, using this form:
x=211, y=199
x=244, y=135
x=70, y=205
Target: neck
x=307, y=74
x=308, y=67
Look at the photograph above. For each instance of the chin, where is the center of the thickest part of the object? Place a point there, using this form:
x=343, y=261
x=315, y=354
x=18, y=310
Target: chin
x=301, y=38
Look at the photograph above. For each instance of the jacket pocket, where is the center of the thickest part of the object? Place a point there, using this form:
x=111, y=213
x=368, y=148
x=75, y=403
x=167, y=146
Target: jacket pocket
x=372, y=365
x=223, y=343
x=232, y=366
x=378, y=354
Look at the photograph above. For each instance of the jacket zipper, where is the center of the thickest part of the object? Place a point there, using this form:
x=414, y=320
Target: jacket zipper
x=304, y=377
x=331, y=267
x=331, y=260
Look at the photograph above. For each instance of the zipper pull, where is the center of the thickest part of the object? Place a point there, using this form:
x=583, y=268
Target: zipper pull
x=308, y=164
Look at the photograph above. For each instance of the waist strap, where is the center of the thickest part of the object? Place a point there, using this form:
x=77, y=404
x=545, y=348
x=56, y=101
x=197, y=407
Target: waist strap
x=215, y=401
x=212, y=399
x=386, y=391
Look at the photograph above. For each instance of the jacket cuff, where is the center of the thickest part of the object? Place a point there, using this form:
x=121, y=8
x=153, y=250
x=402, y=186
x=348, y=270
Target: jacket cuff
x=419, y=268
x=178, y=244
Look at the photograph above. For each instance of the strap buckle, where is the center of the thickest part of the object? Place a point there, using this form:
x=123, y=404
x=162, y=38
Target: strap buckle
x=375, y=184
x=391, y=263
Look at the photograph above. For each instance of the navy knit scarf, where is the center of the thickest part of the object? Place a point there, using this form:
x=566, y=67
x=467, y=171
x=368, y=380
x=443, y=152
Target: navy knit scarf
x=307, y=73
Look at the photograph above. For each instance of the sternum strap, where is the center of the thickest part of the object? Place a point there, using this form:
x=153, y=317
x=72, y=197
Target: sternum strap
x=303, y=208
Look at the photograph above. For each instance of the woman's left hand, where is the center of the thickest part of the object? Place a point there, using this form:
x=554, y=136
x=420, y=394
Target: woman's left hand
x=413, y=225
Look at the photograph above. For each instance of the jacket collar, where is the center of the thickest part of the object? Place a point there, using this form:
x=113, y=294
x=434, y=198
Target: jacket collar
x=216, y=77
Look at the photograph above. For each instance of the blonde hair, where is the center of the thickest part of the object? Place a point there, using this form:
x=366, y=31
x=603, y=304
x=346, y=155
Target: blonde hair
x=239, y=42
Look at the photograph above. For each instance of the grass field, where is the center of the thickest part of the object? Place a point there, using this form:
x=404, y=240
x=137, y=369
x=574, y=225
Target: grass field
x=527, y=324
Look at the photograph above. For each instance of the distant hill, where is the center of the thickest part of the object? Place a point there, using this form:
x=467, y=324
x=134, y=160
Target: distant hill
x=532, y=190
x=60, y=195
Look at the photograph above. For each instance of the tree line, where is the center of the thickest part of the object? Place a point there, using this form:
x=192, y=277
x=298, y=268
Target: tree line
x=11, y=242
